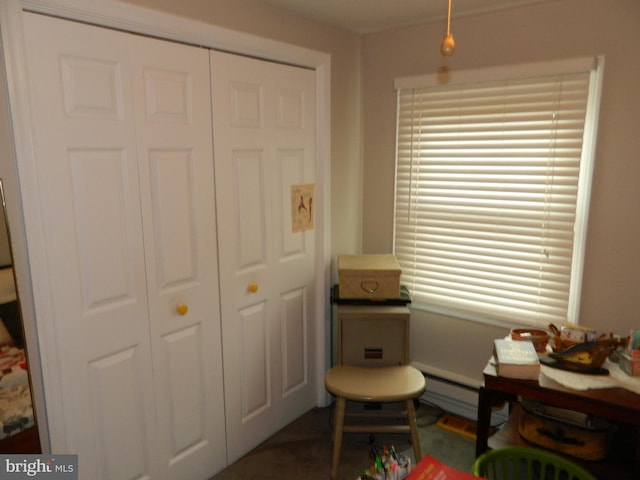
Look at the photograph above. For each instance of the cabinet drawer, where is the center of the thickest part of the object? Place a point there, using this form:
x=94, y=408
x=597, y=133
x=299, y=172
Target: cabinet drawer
x=373, y=336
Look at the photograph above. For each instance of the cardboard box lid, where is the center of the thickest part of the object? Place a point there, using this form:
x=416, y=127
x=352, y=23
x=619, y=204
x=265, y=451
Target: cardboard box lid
x=380, y=263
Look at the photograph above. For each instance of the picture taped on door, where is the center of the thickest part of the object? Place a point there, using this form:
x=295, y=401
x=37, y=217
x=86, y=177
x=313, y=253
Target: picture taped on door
x=302, y=207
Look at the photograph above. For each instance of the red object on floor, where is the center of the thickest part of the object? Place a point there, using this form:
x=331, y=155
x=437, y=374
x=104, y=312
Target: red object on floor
x=431, y=469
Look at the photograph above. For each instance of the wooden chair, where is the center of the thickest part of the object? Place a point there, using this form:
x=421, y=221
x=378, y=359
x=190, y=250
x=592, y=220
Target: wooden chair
x=374, y=385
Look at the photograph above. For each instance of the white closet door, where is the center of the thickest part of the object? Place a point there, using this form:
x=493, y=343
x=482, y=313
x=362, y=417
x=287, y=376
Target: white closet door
x=264, y=143
x=85, y=149
x=141, y=395
x=175, y=152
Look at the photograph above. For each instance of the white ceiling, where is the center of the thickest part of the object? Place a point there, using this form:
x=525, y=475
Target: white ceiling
x=374, y=15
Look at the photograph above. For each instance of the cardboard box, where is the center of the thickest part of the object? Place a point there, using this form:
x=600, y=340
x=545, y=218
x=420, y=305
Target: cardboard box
x=374, y=277
x=629, y=362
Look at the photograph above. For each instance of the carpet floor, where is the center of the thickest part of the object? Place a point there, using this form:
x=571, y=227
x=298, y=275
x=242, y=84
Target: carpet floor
x=302, y=450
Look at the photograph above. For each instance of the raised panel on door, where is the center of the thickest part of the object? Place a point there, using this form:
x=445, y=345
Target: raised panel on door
x=264, y=143
x=254, y=361
x=121, y=437
x=87, y=175
x=247, y=329
x=294, y=336
x=173, y=112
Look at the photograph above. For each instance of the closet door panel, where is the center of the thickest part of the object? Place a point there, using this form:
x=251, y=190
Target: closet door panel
x=173, y=126
x=125, y=172
x=174, y=219
x=103, y=229
x=187, y=416
x=254, y=361
x=86, y=167
x=264, y=139
x=122, y=435
x=248, y=219
x=294, y=342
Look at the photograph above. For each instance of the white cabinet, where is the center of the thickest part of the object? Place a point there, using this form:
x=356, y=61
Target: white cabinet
x=122, y=141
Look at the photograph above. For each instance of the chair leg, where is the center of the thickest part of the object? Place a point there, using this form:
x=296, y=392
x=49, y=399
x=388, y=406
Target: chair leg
x=413, y=427
x=338, y=425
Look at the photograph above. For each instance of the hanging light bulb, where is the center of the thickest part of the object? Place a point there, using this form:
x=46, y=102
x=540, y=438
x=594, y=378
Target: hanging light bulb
x=448, y=45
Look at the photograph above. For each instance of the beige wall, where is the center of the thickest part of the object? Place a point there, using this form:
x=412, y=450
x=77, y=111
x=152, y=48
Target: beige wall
x=346, y=133
x=555, y=30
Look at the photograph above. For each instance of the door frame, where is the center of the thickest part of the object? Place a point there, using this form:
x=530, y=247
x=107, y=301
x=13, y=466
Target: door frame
x=33, y=277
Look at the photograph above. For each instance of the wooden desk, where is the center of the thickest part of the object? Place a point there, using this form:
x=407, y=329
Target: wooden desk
x=617, y=405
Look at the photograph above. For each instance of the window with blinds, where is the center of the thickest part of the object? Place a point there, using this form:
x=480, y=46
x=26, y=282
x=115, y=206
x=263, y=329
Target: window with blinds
x=493, y=174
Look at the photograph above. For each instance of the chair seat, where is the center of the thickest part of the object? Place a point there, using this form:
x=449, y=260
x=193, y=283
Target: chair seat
x=381, y=384
x=374, y=384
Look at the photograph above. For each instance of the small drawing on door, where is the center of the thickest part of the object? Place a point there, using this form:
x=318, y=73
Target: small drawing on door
x=302, y=208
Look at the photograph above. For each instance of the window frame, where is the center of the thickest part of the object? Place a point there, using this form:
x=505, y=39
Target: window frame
x=594, y=65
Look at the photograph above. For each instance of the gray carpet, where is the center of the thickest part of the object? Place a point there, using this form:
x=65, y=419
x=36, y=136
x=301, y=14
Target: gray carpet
x=302, y=450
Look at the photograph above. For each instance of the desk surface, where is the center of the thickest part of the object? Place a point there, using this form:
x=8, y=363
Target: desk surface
x=616, y=404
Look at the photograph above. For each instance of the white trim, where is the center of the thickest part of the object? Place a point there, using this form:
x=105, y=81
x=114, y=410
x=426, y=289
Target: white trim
x=16, y=77
x=538, y=69
x=131, y=18
x=114, y=14
x=584, y=194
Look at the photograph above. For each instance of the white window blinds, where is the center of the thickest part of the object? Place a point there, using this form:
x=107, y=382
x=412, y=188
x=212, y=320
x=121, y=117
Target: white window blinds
x=492, y=182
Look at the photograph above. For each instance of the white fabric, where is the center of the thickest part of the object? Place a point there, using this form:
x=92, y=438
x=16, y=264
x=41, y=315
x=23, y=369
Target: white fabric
x=581, y=381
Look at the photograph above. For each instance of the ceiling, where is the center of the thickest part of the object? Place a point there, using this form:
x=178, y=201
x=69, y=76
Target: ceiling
x=364, y=16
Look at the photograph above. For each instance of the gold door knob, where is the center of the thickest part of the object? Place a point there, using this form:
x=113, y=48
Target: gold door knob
x=253, y=287
x=182, y=309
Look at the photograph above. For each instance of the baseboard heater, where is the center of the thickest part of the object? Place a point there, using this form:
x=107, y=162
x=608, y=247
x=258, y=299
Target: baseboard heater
x=454, y=393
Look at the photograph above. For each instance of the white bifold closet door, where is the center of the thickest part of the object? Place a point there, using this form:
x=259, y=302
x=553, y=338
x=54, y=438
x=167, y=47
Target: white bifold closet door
x=122, y=141
x=264, y=144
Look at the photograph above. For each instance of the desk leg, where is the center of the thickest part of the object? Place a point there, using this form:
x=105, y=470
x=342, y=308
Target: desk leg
x=484, y=420
x=637, y=460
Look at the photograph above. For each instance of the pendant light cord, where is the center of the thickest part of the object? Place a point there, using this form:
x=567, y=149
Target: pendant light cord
x=448, y=44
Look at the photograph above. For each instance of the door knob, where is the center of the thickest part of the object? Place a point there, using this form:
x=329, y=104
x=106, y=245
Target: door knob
x=253, y=287
x=182, y=309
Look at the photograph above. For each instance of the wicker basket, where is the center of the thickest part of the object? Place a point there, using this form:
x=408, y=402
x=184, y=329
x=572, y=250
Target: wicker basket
x=564, y=431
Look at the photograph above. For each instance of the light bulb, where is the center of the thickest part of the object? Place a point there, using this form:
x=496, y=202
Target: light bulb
x=448, y=45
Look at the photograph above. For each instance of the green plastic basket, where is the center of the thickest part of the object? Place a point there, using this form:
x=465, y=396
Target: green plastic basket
x=526, y=463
